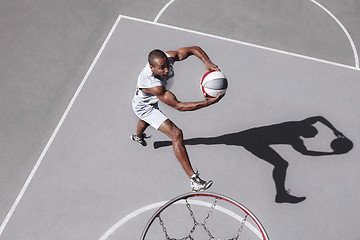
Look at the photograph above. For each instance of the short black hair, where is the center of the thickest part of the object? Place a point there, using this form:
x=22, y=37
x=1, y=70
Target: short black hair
x=155, y=54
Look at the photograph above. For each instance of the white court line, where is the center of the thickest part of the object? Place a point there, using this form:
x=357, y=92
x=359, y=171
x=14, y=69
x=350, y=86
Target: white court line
x=242, y=43
x=163, y=10
x=356, y=57
x=43, y=153
x=130, y=216
x=135, y=213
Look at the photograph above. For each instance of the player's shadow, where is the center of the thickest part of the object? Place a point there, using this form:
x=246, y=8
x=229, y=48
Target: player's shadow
x=258, y=141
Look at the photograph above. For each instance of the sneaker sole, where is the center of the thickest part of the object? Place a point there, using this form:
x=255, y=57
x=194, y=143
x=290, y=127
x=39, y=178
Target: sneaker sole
x=207, y=186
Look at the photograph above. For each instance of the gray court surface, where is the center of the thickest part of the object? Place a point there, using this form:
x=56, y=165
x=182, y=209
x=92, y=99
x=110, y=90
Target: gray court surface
x=90, y=175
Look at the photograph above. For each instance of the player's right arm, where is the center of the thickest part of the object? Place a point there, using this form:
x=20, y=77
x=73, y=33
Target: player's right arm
x=170, y=99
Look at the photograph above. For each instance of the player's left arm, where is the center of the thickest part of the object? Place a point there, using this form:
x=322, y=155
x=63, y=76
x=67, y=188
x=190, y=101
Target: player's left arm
x=185, y=52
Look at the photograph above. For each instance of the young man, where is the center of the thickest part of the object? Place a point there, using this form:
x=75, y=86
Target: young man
x=151, y=87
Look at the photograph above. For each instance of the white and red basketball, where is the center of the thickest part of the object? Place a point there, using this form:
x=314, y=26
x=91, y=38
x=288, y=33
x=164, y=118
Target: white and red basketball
x=213, y=83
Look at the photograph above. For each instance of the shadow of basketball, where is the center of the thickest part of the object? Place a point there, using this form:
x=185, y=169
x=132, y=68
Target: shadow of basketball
x=341, y=145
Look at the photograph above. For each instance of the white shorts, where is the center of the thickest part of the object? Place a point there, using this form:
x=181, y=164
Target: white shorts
x=149, y=113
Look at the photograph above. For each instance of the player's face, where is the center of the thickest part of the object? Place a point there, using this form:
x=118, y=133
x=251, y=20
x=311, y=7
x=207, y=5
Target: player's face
x=161, y=67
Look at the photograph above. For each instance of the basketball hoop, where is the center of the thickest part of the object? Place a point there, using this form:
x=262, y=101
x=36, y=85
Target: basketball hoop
x=179, y=219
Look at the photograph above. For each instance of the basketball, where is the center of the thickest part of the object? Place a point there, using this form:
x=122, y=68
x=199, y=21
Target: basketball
x=213, y=83
x=341, y=145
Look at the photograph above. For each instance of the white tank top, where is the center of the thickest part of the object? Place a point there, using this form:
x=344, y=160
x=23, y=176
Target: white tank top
x=147, y=79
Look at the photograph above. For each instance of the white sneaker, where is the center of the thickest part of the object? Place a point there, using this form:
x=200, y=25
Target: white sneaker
x=141, y=141
x=197, y=184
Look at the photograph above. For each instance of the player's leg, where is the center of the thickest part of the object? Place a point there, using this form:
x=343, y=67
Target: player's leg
x=176, y=136
x=140, y=128
x=140, y=135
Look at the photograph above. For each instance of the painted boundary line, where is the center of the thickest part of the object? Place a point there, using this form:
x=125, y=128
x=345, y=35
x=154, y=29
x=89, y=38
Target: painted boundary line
x=356, y=57
x=163, y=10
x=52, y=137
x=241, y=42
x=352, y=44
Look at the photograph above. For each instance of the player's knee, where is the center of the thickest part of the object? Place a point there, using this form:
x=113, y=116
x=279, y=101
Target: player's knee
x=177, y=134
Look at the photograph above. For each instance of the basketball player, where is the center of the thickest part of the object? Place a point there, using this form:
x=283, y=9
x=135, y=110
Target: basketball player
x=151, y=87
